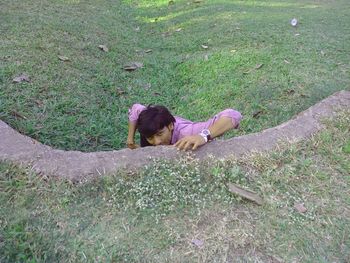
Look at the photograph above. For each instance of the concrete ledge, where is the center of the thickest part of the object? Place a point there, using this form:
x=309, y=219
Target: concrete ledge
x=75, y=165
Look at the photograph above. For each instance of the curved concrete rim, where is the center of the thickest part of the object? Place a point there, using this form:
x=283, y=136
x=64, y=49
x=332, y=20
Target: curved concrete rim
x=76, y=165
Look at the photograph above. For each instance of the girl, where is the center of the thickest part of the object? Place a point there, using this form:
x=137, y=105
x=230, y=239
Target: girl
x=157, y=126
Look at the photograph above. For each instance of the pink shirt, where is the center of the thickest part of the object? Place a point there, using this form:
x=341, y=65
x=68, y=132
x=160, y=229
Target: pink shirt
x=183, y=127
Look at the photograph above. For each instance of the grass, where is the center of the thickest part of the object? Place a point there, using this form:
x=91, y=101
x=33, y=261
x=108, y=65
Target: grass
x=155, y=215
x=82, y=104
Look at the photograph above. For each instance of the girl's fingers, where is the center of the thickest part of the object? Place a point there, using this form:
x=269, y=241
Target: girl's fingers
x=195, y=146
x=187, y=145
x=179, y=144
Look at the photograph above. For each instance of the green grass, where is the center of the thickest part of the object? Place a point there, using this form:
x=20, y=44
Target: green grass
x=153, y=215
x=77, y=104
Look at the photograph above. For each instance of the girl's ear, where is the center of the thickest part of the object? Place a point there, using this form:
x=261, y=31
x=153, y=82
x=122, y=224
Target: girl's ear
x=171, y=126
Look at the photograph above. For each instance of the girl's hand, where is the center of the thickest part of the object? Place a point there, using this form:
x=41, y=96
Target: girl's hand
x=188, y=142
x=132, y=145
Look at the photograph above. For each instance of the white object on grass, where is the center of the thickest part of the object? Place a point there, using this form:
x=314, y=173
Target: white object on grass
x=294, y=22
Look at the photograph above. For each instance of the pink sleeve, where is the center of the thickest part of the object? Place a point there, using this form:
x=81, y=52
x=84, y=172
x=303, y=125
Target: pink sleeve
x=135, y=111
x=197, y=127
x=235, y=116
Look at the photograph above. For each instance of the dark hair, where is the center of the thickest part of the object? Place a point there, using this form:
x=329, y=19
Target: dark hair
x=151, y=120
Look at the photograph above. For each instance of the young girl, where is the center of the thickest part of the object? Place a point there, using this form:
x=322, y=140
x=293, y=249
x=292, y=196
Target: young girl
x=157, y=126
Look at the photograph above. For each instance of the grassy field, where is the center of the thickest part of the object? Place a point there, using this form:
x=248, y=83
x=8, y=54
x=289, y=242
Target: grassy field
x=198, y=58
x=183, y=212
x=204, y=57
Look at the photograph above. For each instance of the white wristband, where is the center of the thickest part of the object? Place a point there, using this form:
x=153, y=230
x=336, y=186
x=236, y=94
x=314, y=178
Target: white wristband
x=204, y=137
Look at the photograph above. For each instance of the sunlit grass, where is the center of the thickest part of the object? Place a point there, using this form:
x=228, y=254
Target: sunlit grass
x=267, y=3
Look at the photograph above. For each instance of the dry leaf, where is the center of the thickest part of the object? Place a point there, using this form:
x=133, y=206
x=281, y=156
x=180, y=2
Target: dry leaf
x=258, y=66
x=290, y=91
x=171, y=2
x=120, y=91
x=39, y=103
x=300, y=207
x=103, y=48
x=297, y=34
x=21, y=78
x=250, y=195
x=137, y=29
x=133, y=66
x=204, y=46
x=156, y=94
x=197, y=242
x=18, y=115
x=286, y=61
x=63, y=58
x=233, y=50
x=257, y=113
x=178, y=30
x=166, y=34
x=197, y=1
x=206, y=57
x=148, y=50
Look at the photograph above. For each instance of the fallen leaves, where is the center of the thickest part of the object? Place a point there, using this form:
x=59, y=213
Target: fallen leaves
x=257, y=66
x=290, y=91
x=133, y=66
x=18, y=115
x=300, y=207
x=167, y=34
x=103, y=48
x=120, y=91
x=257, y=114
x=205, y=46
x=197, y=242
x=63, y=58
x=247, y=194
x=21, y=78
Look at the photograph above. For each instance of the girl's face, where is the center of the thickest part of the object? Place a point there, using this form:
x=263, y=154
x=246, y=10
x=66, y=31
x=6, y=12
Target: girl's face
x=162, y=137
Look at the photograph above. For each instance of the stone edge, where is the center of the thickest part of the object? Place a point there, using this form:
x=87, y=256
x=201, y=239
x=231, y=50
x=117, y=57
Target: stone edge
x=76, y=165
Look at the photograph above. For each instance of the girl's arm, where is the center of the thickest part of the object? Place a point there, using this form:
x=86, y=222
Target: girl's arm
x=221, y=123
x=219, y=127
x=134, y=113
x=131, y=135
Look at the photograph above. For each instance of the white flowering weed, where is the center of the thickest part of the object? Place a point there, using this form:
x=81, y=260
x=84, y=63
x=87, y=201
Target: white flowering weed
x=166, y=186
